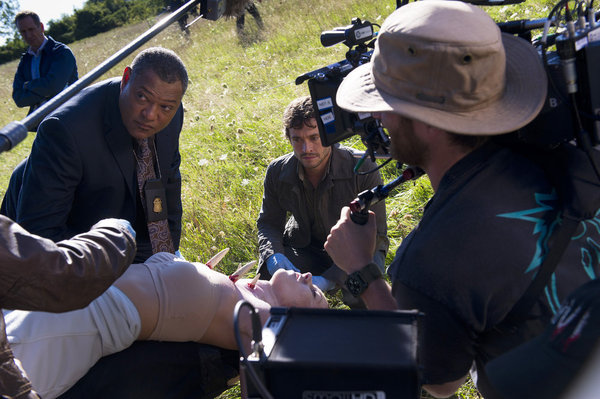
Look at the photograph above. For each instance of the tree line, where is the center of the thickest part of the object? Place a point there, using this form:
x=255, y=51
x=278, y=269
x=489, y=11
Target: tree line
x=96, y=16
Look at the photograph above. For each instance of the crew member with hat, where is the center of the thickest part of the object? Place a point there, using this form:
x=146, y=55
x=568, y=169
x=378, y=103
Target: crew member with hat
x=444, y=81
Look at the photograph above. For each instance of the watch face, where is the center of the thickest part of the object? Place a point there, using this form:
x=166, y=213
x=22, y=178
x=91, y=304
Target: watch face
x=355, y=285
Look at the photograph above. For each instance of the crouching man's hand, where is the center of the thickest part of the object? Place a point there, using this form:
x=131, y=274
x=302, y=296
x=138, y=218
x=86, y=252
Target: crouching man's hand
x=280, y=261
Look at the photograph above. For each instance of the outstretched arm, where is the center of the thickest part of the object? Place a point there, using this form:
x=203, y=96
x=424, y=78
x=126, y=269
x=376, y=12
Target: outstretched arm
x=38, y=274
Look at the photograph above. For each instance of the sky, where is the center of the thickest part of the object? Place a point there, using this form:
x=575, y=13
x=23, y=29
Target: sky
x=50, y=9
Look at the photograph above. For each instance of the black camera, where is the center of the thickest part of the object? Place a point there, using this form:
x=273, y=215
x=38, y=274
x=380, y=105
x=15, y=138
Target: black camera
x=572, y=107
x=334, y=353
x=212, y=9
x=336, y=124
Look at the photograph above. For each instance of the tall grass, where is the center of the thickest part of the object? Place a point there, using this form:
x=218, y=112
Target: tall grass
x=239, y=86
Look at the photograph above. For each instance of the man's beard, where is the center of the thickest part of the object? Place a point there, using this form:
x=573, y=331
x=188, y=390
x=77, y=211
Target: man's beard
x=406, y=147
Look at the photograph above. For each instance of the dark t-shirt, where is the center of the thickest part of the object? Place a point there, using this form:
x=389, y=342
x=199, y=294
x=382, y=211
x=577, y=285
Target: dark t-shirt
x=479, y=244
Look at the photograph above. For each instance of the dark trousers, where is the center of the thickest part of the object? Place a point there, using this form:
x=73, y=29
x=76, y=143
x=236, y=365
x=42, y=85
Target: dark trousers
x=252, y=10
x=312, y=259
x=160, y=370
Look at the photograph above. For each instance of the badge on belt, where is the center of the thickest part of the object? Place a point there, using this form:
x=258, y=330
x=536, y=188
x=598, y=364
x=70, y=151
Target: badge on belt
x=156, y=200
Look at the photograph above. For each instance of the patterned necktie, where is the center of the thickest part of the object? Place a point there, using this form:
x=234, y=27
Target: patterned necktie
x=160, y=236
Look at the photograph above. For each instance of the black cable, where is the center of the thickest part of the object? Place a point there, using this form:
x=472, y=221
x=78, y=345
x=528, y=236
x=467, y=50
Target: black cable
x=375, y=169
x=243, y=357
x=545, y=47
x=583, y=139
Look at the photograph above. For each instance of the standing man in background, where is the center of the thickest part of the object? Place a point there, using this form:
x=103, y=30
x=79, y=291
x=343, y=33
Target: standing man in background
x=304, y=192
x=45, y=69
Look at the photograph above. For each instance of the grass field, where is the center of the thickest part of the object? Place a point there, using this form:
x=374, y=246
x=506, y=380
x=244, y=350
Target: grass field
x=238, y=89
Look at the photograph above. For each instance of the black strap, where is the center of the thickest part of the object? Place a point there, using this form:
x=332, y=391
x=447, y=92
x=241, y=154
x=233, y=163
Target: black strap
x=564, y=167
x=562, y=236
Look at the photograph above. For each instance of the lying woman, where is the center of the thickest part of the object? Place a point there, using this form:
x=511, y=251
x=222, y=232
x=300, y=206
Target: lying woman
x=163, y=299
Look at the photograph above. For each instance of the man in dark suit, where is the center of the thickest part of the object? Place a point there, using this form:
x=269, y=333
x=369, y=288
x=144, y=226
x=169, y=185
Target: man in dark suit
x=82, y=166
x=45, y=69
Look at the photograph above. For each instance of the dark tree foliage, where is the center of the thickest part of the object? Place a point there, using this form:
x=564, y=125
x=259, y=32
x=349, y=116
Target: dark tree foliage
x=103, y=15
x=89, y=20
x=62, y=30
x=96, y=16
x=12, y=49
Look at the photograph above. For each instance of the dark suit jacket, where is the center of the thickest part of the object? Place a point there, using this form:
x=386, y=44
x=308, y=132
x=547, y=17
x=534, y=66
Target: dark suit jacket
x=58, y=69
x=82, y=169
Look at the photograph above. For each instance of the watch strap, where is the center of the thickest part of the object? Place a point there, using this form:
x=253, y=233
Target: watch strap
x=370, y=272
x=358, y=281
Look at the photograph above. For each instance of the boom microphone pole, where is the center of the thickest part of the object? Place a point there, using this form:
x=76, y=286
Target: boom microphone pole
x=15, y=132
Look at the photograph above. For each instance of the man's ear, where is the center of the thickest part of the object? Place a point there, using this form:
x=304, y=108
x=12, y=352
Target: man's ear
x=126, y=76
x=42, y=26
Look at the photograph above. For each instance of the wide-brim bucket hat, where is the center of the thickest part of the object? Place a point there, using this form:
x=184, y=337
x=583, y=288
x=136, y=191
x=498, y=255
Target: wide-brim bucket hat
x=447, y=64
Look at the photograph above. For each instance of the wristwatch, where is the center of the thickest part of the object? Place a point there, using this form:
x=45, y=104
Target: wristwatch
x=358, y=281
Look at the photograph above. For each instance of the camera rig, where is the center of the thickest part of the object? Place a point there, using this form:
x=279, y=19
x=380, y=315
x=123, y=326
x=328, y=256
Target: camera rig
x=569, y=47
x=334, y=123
x=572, y=107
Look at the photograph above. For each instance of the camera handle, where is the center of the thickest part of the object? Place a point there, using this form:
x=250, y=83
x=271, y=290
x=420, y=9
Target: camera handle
x=359, y=207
